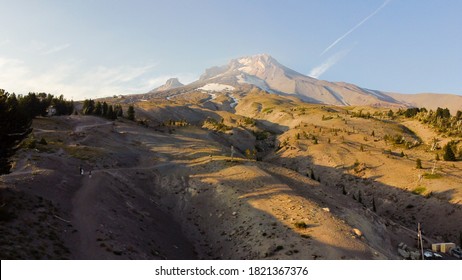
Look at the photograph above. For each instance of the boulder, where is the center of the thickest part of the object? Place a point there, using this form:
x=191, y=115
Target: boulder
x=357, y=232
x=403, y=253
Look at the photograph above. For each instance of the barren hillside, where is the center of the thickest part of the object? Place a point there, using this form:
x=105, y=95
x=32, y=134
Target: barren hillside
x=304, y=182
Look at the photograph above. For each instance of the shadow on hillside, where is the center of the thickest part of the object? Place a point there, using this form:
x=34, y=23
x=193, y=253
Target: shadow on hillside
x=246, y=234
x=399, y=210
x=440, y=219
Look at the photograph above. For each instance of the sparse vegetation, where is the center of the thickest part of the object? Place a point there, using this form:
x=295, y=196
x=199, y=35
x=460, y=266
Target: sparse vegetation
x=43, y=141
x=419, y=190
x=432, y=176
x=249, y=121
x=219, y=126
x=260, y=135
x=300, y=225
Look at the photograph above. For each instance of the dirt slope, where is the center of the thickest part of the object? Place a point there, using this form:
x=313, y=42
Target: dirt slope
x=156, y=195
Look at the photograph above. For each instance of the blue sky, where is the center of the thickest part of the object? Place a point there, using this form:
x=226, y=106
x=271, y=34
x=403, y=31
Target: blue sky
x=100, y=47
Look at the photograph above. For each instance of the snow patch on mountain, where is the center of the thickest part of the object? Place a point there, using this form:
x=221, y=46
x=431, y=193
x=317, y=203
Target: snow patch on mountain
x=216, y=87
x=235, y=101
x=247, y=79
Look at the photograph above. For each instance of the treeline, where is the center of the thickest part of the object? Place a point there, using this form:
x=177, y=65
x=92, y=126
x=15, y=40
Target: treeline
x=16, y=114
x=90, y=107
x=441, y=119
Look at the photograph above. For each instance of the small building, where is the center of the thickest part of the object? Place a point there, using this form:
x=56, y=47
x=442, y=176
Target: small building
x=51, y=111
x=443, y=247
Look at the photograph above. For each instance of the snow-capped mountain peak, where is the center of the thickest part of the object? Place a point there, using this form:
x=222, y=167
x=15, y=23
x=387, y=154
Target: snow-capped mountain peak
x=266, y=73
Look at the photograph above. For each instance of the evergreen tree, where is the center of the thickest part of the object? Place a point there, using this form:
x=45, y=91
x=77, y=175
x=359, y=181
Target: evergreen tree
x=110, y=113
x=98, y=109
x=105, y=110
x=119, y=111
x=88, y=107
x=418, y=164
x=448, y=153
x=14, y=127
x=312, y=175
x=390, y=113
x=131, y=113
x=248, y=154
x=374, y=208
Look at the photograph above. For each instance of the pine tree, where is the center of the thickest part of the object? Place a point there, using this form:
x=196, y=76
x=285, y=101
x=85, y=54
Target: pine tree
x=418, y=164
x=88, y=107
x=248, y=154
x=110, y=113
x=15, y=123
x=448, y=153
x=119, y=111
x=131, y=113
x=105, y=110
x=98, y=109
x=374, y=208
x=360, y=199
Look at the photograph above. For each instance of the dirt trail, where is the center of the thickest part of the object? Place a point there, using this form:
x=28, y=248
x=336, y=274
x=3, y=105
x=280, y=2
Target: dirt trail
x=108, y=206
x=84, y=205
x=81, y=128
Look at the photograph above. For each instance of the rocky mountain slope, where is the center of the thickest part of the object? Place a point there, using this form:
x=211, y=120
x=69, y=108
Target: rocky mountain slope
x=169, y=84
x=305, y=181
x=265, y=72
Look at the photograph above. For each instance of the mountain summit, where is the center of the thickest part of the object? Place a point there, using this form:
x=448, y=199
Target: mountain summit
x=266, y=73
x=169, y=84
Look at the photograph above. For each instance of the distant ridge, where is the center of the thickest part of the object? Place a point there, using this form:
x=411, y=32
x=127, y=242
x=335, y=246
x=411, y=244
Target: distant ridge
x=169, y=84
x=266, y=73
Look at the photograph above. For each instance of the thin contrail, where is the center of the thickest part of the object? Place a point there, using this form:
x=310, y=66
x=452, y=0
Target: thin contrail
x=317, y=71
x=355, y=27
